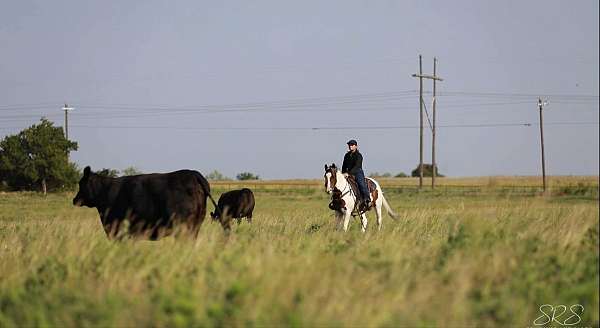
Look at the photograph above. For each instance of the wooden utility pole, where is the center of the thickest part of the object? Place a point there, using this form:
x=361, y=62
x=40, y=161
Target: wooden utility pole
x=433, y=166
x=433, y=77
x=420, y=123
x=66, y=108
x=541, y=107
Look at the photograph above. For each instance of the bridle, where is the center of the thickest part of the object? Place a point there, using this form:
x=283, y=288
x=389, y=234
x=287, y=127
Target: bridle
x=333, y=181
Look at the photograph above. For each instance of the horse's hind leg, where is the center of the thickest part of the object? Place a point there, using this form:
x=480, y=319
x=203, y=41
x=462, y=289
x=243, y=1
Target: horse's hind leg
x=363, y=222
x=378, y=206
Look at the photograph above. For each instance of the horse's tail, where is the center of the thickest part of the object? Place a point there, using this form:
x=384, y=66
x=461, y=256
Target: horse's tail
x=388, y=208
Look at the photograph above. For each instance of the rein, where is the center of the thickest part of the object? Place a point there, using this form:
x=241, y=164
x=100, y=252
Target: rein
x=345, y=191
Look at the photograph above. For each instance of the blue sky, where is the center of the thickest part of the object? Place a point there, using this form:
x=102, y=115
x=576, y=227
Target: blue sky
x=241, y=86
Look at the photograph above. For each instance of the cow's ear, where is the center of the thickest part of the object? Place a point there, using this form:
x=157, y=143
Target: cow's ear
x=87, y=171
x=333, y=165
x=326, y=167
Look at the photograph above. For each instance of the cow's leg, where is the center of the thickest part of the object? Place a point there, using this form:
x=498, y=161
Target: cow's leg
x=158, y=231
x=194, y=230
x=226, y=224
x=196, y=218
x=363, y=222
x=112, y=229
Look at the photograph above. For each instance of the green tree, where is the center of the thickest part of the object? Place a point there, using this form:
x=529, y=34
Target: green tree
x=37, y=157
x=216, y=175
x=111, y=173
x=380, y=175
x=427, y=171
x=247, y=176
x=132, y=170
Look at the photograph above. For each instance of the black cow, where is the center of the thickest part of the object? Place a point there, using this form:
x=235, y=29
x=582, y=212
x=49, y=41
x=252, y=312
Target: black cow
x=235, y=204
x=152, y=203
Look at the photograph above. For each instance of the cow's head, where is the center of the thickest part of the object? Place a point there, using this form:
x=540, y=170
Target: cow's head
x=89, y=186
x=215, y=216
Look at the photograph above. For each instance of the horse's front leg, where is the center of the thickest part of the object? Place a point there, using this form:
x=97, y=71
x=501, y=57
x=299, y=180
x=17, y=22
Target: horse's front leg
x=339, y=217
x=363, y=222
x=347, y=215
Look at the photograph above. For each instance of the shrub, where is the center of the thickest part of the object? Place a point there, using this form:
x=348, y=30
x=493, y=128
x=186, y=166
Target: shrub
x=427, y=171
x=216, y=175
x=132, y=170
x=247, y=176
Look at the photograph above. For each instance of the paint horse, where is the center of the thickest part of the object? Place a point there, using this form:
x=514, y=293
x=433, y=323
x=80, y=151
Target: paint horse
x=345, y=200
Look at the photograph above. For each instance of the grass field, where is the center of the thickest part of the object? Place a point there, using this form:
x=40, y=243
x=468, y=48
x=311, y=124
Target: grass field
x=477, y=252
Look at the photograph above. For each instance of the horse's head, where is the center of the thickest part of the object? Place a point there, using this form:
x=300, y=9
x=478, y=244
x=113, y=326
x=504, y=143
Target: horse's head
x=330, y=178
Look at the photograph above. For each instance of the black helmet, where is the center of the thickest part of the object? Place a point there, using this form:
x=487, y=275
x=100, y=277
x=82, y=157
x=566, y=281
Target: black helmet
x=352, y=142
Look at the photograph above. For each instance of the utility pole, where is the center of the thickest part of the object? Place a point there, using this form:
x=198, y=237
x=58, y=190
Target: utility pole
x=422, y=76
x=541, y=107
x=433, y=166
x=66, y=108
x=420, y=123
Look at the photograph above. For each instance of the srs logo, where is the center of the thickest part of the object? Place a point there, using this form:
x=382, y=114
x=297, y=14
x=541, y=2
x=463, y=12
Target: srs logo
x=558, y=315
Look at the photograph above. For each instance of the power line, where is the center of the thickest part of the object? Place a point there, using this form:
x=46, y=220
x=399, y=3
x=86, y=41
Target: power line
x=312, y=100
x=480, y=125
x=83, y=114
x=316, y=128
x=306, y=108
x=518, y=95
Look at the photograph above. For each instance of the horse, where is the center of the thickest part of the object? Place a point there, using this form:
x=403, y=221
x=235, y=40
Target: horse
x=337, y=185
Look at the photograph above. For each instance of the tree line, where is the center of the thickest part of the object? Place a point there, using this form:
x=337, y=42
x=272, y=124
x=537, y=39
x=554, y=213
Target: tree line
x=37, y=158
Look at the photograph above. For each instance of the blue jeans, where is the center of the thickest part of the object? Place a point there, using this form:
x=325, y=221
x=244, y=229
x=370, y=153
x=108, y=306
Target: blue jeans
x=362, y=186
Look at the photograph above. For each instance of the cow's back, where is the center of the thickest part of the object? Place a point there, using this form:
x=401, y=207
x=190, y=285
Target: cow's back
x=158, y=200
x=237, y=203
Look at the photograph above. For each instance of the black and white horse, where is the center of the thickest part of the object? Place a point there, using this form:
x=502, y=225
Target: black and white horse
x=336, y=181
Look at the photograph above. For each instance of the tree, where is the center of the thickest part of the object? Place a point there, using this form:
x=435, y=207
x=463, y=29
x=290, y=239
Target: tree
x=427, y=171
x=380, y=175
x=38, y=157
x=132, y=170
x=216, y=175
x=247, y=176
x=111, y=173
x=401, y=175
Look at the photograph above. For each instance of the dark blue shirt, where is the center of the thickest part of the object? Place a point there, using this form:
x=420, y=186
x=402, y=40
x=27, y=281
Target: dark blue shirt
x=352, y=162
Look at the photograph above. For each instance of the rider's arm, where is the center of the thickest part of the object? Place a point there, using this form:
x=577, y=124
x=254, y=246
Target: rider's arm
x=346, y=164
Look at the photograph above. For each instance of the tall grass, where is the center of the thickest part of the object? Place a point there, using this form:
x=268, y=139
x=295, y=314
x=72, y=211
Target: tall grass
x=485, y=259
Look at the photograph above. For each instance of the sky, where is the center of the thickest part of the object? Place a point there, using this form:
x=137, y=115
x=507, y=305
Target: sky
x=277, y=88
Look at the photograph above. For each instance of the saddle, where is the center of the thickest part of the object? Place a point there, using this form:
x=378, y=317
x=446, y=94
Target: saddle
x=370, y=185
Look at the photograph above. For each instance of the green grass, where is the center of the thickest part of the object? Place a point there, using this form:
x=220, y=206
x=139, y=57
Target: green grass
x=480, y=258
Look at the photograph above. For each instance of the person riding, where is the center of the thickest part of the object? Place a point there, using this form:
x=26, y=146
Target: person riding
x=353, y=165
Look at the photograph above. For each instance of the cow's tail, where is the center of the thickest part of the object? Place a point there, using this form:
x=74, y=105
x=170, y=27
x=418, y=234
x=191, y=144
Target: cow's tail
x=206, y=188
x=388, y=208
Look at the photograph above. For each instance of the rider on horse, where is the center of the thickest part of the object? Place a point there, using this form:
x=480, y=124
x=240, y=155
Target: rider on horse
x=353, y=165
